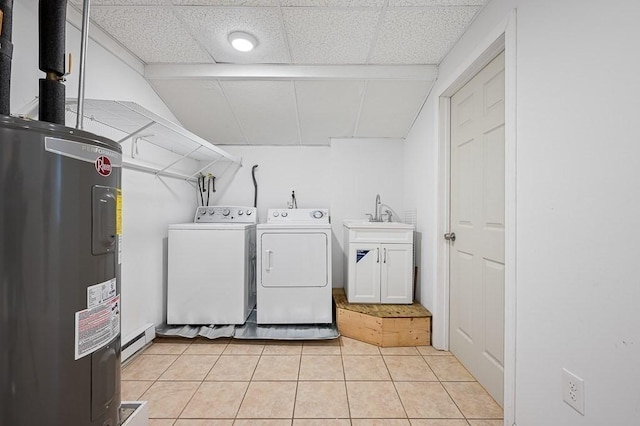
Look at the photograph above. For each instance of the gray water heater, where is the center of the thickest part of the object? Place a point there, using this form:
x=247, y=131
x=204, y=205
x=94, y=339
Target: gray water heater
x=60, y=228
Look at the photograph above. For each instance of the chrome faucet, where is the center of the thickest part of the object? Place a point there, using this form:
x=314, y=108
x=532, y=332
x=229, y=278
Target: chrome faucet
x=376, y=217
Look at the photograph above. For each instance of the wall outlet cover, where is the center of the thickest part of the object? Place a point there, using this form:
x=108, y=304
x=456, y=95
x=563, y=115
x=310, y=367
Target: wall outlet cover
x=573, y=390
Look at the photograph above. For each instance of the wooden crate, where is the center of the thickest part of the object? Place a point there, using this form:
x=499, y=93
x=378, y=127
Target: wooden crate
x=383, y=325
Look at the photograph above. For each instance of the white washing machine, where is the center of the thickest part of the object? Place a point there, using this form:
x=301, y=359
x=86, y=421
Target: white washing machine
x=294, y=267
x=211, y=267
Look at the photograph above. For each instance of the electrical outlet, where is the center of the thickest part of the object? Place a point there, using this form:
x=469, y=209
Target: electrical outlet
x=573, y=390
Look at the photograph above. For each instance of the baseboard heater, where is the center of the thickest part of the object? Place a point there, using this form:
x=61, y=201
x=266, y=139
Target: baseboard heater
x=137, y=340
x=134, y=413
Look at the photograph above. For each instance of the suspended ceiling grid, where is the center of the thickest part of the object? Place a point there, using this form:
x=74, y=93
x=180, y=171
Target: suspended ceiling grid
x=381, y=56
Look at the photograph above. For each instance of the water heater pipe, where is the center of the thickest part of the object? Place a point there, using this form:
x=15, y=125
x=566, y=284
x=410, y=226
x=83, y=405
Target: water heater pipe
x=83, y=60
x=52, y=19
x=6, y=54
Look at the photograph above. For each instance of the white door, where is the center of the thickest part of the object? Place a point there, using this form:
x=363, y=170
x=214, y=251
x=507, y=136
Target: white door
x=396, y=282
x=477, y=219
x=364, y=273
x=294, y=260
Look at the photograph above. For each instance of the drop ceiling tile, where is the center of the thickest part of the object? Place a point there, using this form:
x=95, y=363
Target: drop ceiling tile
x=251, y=3
x=328, y=109
x=409, y=3
x=266, y=110
x=332, y=3
x=389, y=107
x=153, y=34
x=330, y=36
x=213, y=26
x=201, y=107
x=420, y=36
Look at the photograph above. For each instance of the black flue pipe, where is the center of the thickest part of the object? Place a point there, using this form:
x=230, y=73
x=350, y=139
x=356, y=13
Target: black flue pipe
x=6, y=55
x=52, y=16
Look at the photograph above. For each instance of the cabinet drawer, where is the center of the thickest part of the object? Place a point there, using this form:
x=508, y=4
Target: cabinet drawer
x=380, y=236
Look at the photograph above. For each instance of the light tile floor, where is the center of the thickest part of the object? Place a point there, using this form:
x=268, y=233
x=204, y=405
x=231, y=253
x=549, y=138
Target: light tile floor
x=336, y=382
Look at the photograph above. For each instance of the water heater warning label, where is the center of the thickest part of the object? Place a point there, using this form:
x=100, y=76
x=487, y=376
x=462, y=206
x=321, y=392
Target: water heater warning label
x=100, y=293
x=97, y=326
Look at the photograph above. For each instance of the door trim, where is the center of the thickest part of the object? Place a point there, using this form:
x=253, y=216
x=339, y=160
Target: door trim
x=502, y=37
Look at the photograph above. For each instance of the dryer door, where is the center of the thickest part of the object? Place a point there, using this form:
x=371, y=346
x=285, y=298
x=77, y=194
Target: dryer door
x=294, y=260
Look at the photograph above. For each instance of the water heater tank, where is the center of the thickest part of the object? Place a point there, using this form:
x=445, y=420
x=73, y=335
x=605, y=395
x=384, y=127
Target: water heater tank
x=60, y=228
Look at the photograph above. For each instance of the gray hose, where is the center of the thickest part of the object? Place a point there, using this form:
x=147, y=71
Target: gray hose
x=255, y=186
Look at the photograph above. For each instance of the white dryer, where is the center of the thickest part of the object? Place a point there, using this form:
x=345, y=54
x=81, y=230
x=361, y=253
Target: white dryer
x=294, y=267
x=211, y=267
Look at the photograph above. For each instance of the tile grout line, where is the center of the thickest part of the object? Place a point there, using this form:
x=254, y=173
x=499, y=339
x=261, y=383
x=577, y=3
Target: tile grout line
x=204, y=379
x=296, y=380
x=445, y=389
x=393, y=382
x=344, y=377
x=295, y=395
x=194, y=393
x=235, y=417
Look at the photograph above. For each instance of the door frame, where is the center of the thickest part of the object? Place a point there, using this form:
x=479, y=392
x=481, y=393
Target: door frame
x=501, y=38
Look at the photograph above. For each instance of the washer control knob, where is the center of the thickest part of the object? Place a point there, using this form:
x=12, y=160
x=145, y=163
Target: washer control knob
x=285, y=214
x=226, y=212
x=240, y=212
x=211, y=211
x=276, y=214
x=249, y=212
x=318, y=214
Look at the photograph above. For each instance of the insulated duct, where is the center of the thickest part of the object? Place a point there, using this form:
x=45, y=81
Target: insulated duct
x=52, y=15
x=6, y=53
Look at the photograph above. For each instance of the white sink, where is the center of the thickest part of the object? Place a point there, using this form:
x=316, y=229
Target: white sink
x=365, y=224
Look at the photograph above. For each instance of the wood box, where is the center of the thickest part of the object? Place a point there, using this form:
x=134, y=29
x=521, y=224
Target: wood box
x=383, y=325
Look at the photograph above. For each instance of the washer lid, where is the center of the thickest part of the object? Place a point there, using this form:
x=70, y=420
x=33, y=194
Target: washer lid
x=211, y=226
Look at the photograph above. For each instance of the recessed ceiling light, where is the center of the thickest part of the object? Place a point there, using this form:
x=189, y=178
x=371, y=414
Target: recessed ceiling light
x=242, y=42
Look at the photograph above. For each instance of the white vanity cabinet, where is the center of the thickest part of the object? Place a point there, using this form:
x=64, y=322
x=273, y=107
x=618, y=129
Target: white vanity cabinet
x=379, y=262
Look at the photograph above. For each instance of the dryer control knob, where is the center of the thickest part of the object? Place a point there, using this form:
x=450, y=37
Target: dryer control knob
x=285, y=214
x=249, y=212
x=211, y=211
x=240, y=212
x=276, y=214
x=318, y=214
x=226, y=212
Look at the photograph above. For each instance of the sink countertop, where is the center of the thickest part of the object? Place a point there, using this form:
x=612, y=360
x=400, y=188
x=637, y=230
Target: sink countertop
x=365, y=224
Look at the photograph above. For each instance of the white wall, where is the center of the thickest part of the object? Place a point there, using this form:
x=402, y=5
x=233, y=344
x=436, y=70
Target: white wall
x=362, y=168
x=578, y=174
x=281, y=169
x=344, y=177
x=107, y=77
x=149, y=203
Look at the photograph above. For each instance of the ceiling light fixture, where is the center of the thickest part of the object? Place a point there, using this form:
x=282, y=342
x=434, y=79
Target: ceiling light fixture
x=242, y=41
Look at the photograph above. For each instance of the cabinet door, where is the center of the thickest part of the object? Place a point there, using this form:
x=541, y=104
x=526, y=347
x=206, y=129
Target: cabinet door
x=364, y=273
x=397, y=279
